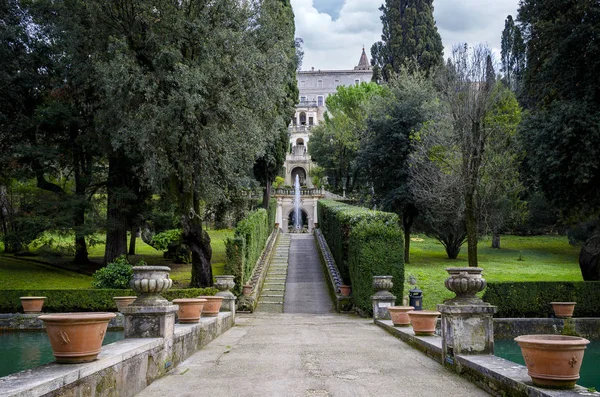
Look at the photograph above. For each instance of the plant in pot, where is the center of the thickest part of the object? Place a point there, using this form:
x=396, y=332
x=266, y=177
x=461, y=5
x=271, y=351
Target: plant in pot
x=399, y=315
x=76, y=337
x=32, y=304
x=345, y=290
x=246, y=289
x=189, y=310
x=563, y=309
x=423, y=321
x=553, y=361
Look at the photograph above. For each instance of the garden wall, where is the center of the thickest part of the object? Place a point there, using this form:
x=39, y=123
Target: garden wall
x=532, y=299
x=364, y=243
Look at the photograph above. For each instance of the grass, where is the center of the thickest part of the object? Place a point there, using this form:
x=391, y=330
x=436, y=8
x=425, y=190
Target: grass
x=52, y=272
x=530, y=258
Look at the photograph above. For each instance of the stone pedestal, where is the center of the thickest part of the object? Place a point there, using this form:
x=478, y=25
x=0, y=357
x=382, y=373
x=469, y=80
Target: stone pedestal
x=382, y=298
x=224, y=284
x=149, y=321
x=466, y=329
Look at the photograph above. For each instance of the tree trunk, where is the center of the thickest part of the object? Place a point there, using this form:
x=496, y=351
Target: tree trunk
x=266, y=195
x=81, y=252
x=495, y=240
x=132, y=239
x=452, y=250
x=471, y=230
x=116, y=216
x=407, y=221
x=198, y=242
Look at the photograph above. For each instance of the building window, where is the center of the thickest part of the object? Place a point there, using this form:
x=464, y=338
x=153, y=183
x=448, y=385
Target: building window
x=319, y=83
x=302, y=83
x=310, y=121
x=337, y=82
x=302, y=99
x=357, y=81
x=320, y=100
x=303, y=118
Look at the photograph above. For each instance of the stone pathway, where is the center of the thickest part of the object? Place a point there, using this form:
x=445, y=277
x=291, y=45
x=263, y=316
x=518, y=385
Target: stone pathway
x=309, y=355
x=306, y=289
x=272, y=294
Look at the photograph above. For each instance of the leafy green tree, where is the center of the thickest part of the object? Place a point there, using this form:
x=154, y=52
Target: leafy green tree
x=562, y=85
x=513, y=55
x=409, y=37
x=334, y=144
x=393, y=119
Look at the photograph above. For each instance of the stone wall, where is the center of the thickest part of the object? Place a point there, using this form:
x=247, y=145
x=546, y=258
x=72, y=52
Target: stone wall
x=122, y=369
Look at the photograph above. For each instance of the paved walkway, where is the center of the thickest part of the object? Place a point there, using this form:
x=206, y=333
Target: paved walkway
x=309, y=355
x=305, y=288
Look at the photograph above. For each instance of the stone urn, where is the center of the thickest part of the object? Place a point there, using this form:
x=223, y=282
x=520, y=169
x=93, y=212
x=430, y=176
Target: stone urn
x=123, y=301
x=32, y=304
x=465, y=282
x=399, y=315
x=212, y=305
x=345, y=290
x=149, y=282
x=563, y=309
x=76, y=337
x=553, y=361
x=423, y=321
x=224, y=284
x=382, y=283
x=189, y=310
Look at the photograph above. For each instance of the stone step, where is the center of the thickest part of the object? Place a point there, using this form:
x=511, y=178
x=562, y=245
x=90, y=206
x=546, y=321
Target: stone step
x=271, y=279
x=271, y=295
x=268, y=285
x=271, y=300
x=270, y=290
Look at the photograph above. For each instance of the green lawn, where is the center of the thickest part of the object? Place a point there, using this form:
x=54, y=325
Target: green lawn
x=28, y=273
x=531, y=258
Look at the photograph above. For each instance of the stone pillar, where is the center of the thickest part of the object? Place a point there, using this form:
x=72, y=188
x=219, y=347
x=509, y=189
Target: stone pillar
x=383, y=298
x=315, y=212
x=150, y=315
x=467, y=321
x=279, y=214
x=224, y=284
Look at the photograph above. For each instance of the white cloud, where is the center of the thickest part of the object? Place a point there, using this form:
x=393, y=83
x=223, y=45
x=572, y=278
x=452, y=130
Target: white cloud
x=337, y=44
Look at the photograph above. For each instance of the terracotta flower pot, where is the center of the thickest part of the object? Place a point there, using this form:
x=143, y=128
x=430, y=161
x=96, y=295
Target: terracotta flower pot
x=212, y=306
x=124, y=301
x=189, y=309
x=563, y=309
x=553, y=361
x=32, y=304
x=76, y=337
x=246, y=290
x=399, y=315
x=345, y=290
x=423, y=321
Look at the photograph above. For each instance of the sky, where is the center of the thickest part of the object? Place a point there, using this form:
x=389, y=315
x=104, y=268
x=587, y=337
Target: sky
x=334, y=31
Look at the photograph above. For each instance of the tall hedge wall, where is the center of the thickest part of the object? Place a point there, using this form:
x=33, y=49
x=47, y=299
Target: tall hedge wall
x=96, y=300
x=246, y=247
x=532, y=299
x=364, y=244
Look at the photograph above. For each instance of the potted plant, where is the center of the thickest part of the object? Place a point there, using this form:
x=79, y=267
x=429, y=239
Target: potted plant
x=399, y=315
x=212, y=306
x=563, y=309
x=189, y=310
x=553, y=361
x=124, y=301
x=149, y=282
x=76, y=337
x=246, y=289
x=32, y=304
x=423, y=321
x=345, y=290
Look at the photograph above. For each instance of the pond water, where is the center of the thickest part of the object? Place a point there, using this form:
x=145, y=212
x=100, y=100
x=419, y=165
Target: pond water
x=24, y=350
x=590, y=369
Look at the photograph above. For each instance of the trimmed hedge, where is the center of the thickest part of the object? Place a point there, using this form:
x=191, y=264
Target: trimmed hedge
x=89, y=300
x=364, y=243
x=246, y=247
x=532, y=299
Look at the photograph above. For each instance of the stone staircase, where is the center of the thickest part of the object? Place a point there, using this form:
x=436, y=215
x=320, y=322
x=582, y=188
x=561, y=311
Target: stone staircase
x=271, y=296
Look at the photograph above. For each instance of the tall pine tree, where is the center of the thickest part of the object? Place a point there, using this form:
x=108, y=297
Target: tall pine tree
x=409, y=36
x=513, y=55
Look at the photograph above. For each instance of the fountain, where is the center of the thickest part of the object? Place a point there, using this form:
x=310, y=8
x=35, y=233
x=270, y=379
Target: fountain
x=297, y=214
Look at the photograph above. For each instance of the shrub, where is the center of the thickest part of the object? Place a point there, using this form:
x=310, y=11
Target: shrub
x=532, y=299
x=115, y=275
x=96, y=300
x=244, y=250
x=364, y=244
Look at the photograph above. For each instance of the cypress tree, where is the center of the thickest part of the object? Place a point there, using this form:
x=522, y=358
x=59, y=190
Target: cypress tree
x=409, y=37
